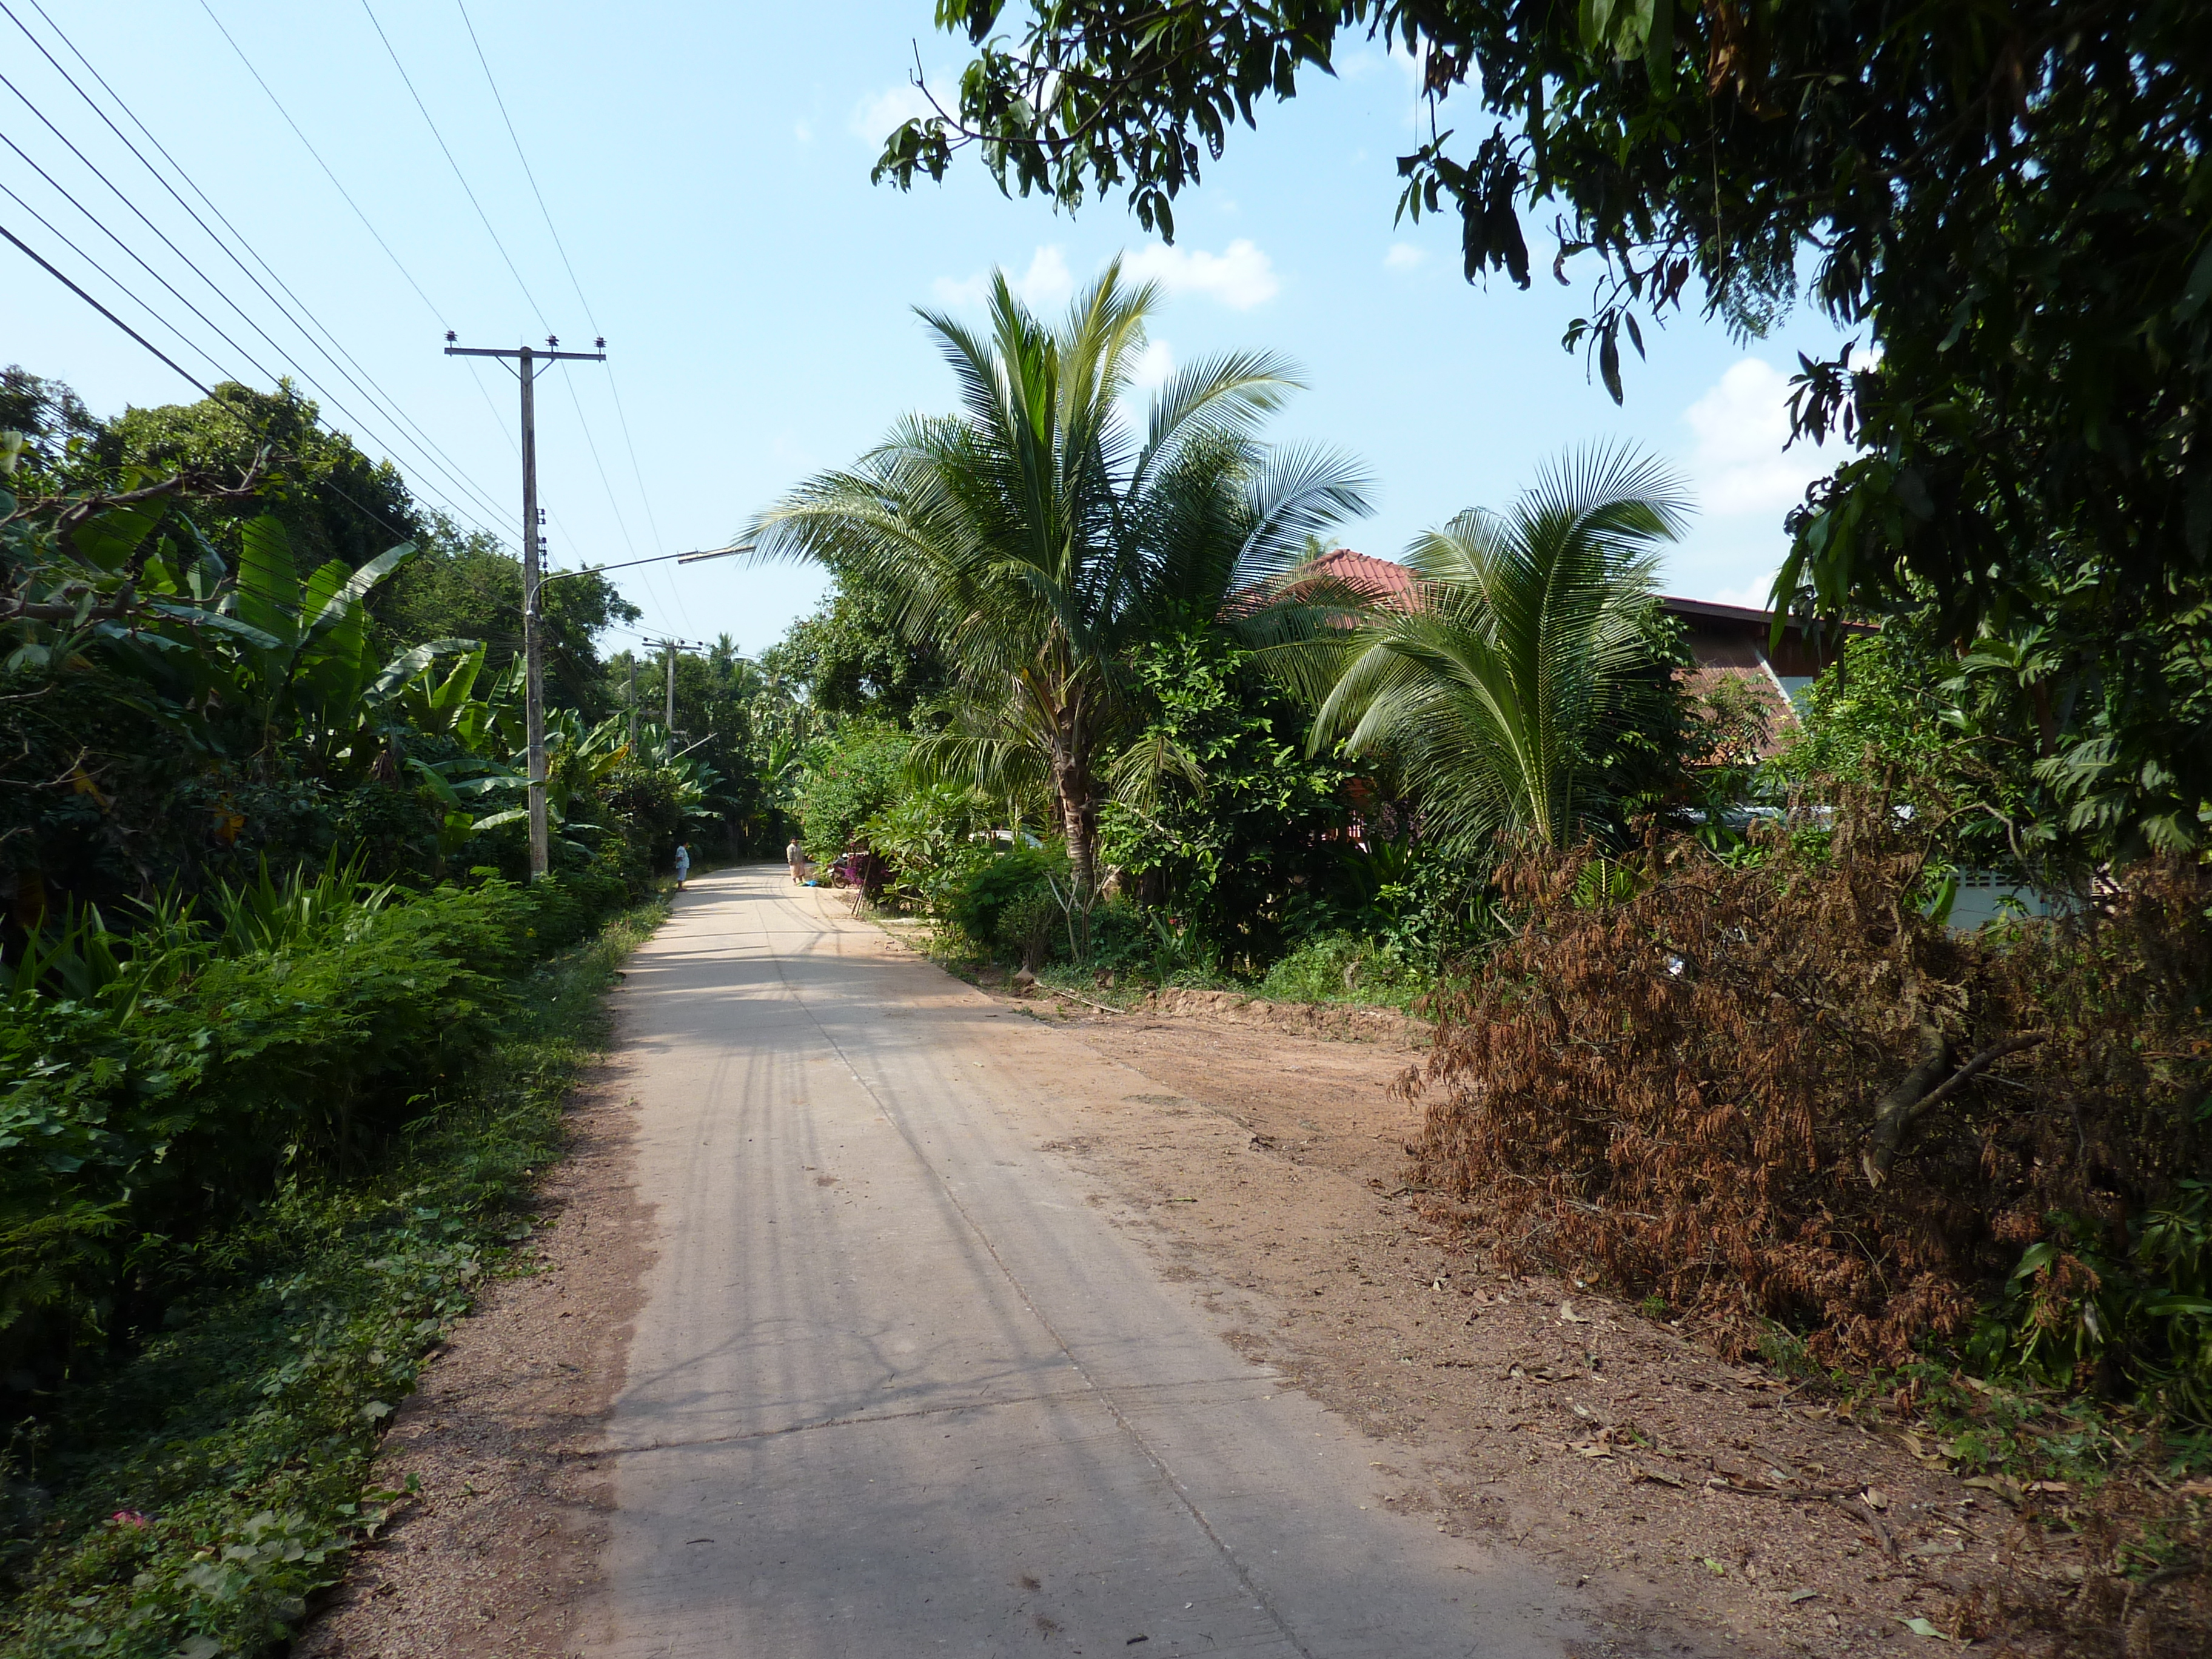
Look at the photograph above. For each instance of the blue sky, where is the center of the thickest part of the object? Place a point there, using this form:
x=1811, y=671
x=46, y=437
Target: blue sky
x=706, y=170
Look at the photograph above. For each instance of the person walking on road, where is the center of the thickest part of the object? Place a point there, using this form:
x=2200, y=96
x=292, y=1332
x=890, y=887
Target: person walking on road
x=682, y=865
x=795, y=856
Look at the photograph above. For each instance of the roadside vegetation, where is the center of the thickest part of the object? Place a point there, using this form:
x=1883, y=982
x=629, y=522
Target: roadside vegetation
x=285, y=1035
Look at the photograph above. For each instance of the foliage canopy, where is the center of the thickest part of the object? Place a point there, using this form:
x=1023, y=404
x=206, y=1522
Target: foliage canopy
x=2009, y=200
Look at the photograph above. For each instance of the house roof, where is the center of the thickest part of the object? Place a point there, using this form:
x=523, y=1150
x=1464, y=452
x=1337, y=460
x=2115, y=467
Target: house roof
x=1381, y=580
x=1719, y=635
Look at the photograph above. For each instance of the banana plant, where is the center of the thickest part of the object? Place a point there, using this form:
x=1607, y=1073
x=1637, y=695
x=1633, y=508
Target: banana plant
x=318, y=678
x=449, y=708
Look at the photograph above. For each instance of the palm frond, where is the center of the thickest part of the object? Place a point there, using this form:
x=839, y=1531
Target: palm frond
x=1525, y=638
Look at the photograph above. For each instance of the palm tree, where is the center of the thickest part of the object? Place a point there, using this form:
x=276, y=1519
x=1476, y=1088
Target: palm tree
x=1525, y=644
x=1035, y=538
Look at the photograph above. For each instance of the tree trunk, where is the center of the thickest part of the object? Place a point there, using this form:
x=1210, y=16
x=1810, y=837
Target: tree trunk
x=1894, y=1113
x=1078, y=818
x=1924, y=1088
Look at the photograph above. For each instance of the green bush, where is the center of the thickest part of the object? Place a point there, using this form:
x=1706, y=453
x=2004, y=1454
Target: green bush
x=1146, y=943
x=931, y=841
x=2074, y=1310
x=190, y=1497
x=646, y=802
x=1007, y=903
x=1345, y=968
x=1231, y=859
x=848, y=779
x=154, y=1087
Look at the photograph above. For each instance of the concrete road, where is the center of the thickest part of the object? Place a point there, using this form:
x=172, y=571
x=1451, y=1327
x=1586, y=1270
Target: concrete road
x=902, y=1385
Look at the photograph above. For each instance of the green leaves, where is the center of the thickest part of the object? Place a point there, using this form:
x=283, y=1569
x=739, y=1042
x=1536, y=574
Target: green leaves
x=1034, y=541
x=1492, y=689
x=268, y=591
x=2030, y=289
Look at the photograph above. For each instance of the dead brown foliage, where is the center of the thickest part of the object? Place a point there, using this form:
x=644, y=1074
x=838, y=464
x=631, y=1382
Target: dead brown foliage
x=1669, y=1078
x=2144, y=1592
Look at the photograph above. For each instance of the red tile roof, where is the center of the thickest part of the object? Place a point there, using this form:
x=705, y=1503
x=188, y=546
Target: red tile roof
x=1381, y=580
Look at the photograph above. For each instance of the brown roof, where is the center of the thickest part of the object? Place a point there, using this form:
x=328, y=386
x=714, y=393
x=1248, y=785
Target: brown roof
x=1725, y=636
x=1740, y=637
x=1381, y=580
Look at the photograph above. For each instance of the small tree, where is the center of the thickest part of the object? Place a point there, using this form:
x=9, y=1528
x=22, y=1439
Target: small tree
x=1528, y=644
x=1035, y=541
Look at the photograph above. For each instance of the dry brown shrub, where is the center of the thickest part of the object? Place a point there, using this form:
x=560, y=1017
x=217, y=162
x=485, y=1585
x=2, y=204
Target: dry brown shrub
x=1674, y=1091
x=2143, y=1592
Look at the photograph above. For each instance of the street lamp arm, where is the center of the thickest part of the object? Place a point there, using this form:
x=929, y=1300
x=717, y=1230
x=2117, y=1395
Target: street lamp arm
x=631, y=564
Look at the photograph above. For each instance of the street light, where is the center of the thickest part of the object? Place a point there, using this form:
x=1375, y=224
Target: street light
x=664, y=558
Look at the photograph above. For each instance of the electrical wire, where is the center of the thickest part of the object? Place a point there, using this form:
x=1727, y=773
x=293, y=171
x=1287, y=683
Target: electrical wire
x=223, y=374
x=220, y=333
x=245, y=425
x=426, y=445
x=62, y=190
x=590, y=439
x=512, y=269
x=57, y=274
x=367, y=224
x=378, y=397
x=114, y=281
x=622, y=416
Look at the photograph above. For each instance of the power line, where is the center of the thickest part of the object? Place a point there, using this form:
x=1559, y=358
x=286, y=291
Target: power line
x=489, y=230
x=367, y=224
x=247, y=427
x=389, y=405
x=222, y=372
x=527, y=171
x=220, y=333
x=622, y=416
x=455, y=165
x=57, y=274
x=62, y=190
x=114, y=281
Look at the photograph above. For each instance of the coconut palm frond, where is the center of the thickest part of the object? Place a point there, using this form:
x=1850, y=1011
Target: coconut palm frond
x=1527, y=636
x=1035, y=541
x=1137, y=773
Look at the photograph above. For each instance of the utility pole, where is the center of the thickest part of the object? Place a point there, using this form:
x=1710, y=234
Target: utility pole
x=528, y=361
x=672, y=694
x=633, y=706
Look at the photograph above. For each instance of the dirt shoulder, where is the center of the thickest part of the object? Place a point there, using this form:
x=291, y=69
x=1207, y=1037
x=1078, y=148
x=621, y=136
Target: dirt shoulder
x=498, y=1550
x=1682, y=1488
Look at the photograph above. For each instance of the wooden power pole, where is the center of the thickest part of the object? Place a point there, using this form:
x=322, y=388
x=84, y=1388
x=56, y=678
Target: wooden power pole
x=671, y=696
x=633, y=708
x=529, y=361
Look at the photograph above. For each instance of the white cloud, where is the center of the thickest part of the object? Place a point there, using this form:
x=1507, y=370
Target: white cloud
x=1154, y=364
x=875, y=118
x=1403, y=256
x=1240, y=277
x=1739, y=464
x=803, y=132
x=1046, y=284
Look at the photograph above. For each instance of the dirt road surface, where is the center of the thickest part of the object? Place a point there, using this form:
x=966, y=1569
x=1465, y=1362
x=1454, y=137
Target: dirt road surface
x=903, y=1382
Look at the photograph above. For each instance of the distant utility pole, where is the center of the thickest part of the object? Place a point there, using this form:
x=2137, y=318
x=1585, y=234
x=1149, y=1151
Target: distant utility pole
x=528, y=360
x=633, y=708
x=672, y=694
